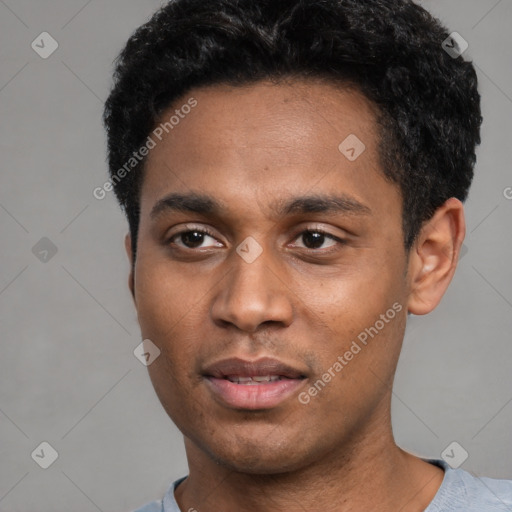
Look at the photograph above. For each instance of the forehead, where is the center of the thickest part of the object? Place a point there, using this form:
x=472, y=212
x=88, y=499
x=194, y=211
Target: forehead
x=297, y=116
x=266, y=138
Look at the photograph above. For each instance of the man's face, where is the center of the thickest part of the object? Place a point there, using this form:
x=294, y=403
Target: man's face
x=300, y=298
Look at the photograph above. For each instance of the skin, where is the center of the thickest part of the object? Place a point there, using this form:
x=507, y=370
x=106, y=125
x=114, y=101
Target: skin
x=302, y=300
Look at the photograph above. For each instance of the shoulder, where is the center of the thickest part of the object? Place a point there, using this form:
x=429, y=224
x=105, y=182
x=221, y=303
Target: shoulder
x=167, y=504
x=463, y=492
x=154, y=506
x=492, y=493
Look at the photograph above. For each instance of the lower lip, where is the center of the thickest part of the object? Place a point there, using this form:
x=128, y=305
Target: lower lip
x=256, y=396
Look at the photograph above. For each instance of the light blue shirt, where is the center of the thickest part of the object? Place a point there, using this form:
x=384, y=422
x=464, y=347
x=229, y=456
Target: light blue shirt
x=460, y=491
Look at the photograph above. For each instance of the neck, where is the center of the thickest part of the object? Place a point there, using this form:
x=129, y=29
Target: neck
x=366, y=472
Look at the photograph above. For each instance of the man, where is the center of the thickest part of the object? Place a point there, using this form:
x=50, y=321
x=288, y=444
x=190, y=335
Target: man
x=293, y=174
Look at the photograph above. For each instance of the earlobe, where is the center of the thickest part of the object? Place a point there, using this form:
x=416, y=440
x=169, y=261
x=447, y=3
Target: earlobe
x=131, y=281
x=434, y=257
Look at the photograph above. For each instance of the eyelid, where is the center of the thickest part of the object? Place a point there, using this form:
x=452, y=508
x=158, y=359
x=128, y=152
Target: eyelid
x=317, y=228
x=192, y=227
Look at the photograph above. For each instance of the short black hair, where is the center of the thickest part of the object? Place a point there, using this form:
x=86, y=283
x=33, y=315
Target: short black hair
x=391, y=50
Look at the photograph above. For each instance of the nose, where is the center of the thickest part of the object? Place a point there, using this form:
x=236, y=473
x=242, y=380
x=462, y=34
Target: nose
x=253, y=294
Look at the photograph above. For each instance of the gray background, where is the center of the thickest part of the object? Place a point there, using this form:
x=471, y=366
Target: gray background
x=68, y=375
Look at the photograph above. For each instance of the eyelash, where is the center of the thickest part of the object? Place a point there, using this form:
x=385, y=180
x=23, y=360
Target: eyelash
x=206, y=231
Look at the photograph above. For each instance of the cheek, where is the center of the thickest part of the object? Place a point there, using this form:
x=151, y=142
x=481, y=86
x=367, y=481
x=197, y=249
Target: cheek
x=364, y=314
x=168, y=314
x=353, y=300
x=356, y=376
x=163, y=297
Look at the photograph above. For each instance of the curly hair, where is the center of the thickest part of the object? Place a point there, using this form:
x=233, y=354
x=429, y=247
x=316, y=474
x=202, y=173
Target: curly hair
x=391, y=50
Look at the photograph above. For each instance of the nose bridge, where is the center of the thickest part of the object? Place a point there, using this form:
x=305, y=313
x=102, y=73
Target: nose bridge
x=252, y=292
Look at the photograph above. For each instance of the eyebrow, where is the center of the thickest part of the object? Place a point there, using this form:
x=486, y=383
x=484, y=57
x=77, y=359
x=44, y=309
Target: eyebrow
x=208, y=206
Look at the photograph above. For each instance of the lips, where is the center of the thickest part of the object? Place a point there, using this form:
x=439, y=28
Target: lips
x=252, y=385
x=265, y=366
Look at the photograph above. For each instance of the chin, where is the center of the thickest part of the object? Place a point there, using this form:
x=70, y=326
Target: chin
x=259, y=454
x=258, y=463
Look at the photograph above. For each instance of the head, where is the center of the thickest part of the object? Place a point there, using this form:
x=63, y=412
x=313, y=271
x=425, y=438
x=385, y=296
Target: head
x=293, y=179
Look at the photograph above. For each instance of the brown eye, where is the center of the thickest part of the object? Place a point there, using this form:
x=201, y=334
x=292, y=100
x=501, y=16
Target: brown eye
x=193, y=239
x=315, y=239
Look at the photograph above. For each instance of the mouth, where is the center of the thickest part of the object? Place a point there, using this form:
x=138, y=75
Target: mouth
x=253, y=385
x=254, y=380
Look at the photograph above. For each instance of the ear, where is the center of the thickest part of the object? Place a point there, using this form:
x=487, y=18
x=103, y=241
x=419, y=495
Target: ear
x=128, y=248
x=434, y=256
